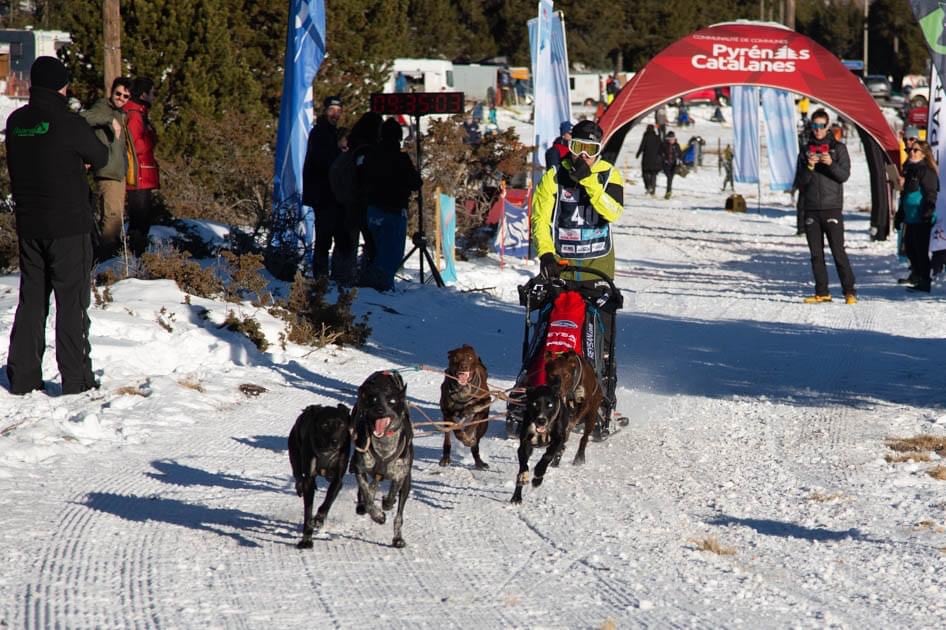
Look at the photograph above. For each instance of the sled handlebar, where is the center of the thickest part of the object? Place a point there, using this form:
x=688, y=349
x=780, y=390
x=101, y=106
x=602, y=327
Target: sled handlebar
x=538, y=289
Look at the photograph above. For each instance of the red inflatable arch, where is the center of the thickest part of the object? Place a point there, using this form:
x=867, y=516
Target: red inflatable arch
x=763, y=54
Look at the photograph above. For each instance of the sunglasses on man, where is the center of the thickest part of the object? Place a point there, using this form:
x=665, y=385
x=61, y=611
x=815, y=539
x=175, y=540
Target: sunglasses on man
x=589, y=148
x=815, y=125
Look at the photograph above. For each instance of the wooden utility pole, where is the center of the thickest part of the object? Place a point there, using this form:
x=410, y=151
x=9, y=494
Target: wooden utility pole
x=112, y=35
x=866, y=34
x=790, y=14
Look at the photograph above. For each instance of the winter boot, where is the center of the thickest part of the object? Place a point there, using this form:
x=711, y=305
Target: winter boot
x=817, y=299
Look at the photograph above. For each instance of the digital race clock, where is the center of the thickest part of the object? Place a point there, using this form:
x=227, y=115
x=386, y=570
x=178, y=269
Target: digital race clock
x=417, y=103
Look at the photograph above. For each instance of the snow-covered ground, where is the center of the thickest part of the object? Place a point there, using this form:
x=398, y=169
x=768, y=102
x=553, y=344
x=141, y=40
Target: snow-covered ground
x=758, y=426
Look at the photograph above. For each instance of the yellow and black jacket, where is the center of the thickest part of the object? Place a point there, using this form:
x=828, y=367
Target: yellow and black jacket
x=573, y=219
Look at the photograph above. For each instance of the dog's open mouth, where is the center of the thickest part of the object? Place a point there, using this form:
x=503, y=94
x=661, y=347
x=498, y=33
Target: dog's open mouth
x=463, y=378
x=539, y=428
x=381, y=426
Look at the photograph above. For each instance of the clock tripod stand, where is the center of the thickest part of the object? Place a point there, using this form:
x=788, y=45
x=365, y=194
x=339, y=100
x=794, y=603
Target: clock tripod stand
x=418, y=104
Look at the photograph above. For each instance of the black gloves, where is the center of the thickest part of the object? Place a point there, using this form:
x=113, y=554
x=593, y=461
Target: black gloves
x=549, y=265
x=580, y=169
x=898, y=219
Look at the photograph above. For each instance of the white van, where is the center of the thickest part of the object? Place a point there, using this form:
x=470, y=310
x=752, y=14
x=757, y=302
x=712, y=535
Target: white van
x=585, y=88
x=423, y=75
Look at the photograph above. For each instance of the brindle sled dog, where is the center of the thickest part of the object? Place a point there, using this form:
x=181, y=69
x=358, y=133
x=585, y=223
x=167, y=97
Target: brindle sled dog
x=384, y=447
x=572, y=395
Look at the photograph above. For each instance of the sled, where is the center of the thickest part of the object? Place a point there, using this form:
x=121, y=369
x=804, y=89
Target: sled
x=568, y=315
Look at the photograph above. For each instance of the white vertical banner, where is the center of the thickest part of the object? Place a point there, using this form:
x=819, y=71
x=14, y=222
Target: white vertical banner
x=544, y=122
x=936, y=136
x=778, y=107
x=745, y=115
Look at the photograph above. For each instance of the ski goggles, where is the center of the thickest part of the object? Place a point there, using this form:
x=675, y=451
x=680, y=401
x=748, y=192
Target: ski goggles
x=589, y=148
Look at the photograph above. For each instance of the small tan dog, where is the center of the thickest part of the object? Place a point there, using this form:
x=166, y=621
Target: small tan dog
x=464, y=398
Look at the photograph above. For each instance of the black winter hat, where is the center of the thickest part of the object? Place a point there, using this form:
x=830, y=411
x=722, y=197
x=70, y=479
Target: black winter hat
x=332, y=101
x=391, y=131
x=49, y=73
x=587, y=130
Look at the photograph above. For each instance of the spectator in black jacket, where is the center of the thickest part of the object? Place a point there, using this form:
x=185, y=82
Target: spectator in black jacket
x=48, y=150
x=389, y=178
x=823, y=167
x=321, y=151
x=349, y=193
x=649, y=152
x=670, y=157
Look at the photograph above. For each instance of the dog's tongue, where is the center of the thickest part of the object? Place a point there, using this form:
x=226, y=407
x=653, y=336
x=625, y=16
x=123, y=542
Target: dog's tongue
x=463, y=377
x=381, y=425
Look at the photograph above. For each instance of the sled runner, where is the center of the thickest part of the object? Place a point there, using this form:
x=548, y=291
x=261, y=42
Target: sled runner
x=566, y=315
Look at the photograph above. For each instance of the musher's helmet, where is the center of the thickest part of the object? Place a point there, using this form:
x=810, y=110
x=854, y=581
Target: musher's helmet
x=586, y=139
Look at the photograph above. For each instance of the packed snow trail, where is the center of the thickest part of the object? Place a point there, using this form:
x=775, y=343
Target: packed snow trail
x=758, y=429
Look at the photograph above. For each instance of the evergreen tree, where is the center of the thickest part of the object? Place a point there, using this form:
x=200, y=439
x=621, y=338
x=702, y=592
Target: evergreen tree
x=476, y=40
x=435, y=31
x=507, y=20
x=362, y=38
x=594, y=31
x=837, y=25
x=896, y=41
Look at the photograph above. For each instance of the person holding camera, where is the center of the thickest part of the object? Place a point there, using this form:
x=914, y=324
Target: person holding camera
x=823, y=167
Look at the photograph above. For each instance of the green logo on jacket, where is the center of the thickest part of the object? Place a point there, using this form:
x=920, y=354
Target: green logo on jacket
x=25, y=132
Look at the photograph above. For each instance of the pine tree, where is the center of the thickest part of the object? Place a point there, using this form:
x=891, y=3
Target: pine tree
x=362, y=38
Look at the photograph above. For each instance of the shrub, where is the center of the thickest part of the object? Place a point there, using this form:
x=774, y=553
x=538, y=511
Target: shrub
x=471, y=173
x=189, y=275
x=245, y=282
x=247, y=326
x=311, y=320
x=9, y=249
x=232, y=181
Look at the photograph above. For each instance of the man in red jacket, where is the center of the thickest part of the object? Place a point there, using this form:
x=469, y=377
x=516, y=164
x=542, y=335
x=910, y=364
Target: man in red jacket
x=143, y=176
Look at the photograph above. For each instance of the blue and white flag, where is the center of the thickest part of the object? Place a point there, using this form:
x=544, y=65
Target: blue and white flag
x=745, y=115
x=305, y=50
x=448, y=237
x=551, y=103
x=778, y=107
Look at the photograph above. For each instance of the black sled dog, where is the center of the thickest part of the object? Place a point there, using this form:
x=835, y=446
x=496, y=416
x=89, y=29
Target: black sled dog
x=319, y=446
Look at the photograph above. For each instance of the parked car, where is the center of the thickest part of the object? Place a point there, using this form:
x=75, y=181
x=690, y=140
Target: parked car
x=715, y=96
x=878, y=85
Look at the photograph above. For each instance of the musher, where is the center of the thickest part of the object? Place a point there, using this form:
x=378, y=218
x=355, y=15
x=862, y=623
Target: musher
x=572, y=211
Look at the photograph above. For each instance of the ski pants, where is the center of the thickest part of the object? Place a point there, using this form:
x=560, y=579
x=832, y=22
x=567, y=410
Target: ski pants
x=916, y=242
x=818, y=225
x=650, y=180
x=141, y=216
x=332, y=227
x=59, y=266
x=669, y=171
